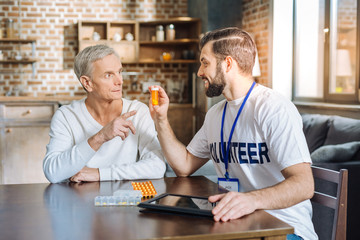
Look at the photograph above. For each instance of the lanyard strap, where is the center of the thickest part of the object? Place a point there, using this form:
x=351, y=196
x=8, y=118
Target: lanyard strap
x=227, y=152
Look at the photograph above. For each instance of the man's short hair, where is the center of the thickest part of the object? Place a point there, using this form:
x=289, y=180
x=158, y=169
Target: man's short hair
x=232, y=42
x=83, y=63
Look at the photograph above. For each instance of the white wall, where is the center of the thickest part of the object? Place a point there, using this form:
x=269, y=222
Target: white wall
x=282, y=47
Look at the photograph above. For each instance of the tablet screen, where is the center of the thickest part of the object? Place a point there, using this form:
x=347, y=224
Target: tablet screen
x=180, y=203
x=185, y=202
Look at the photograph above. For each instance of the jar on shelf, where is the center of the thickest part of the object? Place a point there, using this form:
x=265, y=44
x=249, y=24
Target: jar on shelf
x=129, y=37
x=170, y=32
x=96, y=36
x=10, y=31
x=160, y=34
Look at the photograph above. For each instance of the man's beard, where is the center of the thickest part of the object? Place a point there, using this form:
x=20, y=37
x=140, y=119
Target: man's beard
x=217, y=87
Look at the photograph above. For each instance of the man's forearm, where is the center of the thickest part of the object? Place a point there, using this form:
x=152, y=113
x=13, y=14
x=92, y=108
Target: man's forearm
x=96, y=141
x=297, y=187
x=174, y=151
x=282, y=195
x=289, y=192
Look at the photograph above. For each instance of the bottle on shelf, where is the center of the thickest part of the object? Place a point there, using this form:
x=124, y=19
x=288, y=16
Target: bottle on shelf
x=170, y=32
x=160, y=33
x=10, y=28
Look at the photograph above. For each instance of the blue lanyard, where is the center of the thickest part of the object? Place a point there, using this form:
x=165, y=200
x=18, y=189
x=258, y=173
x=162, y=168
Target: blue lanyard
x=227, y=152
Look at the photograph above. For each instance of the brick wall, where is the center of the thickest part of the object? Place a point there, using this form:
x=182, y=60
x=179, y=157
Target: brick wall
x=54, y=25
x=256, y=17
x=347, y=14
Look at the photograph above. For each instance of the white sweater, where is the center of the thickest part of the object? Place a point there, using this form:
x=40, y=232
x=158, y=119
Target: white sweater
x=139, y=156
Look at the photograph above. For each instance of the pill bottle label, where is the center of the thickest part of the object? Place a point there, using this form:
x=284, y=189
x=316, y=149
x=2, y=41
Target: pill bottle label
x=155, y=96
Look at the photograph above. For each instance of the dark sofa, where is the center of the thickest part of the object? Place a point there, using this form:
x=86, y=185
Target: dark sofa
x=334, y=143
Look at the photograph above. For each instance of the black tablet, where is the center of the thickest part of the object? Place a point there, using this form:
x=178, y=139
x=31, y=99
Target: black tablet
x=180, y=204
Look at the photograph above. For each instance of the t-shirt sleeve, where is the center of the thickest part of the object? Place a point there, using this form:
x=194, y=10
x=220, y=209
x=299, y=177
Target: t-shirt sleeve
x=199, y=144
x=282, y=127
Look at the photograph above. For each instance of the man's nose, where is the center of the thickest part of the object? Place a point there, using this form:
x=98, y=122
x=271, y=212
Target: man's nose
x=119, y=78
x=200, y=72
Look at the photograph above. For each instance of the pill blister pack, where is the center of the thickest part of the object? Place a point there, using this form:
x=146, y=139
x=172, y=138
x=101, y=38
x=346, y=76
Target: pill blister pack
x=147, y=188
x=120, y=198
x=142, y=190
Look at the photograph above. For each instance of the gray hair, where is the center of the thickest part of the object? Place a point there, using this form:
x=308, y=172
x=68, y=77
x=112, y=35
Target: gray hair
x=83, y=63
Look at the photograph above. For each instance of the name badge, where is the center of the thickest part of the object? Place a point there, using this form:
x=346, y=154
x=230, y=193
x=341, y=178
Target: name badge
x=230, y=184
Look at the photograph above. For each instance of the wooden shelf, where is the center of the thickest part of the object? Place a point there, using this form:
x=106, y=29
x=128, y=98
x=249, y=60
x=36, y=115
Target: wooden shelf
x=184, y=48
x=30, y=60
x=17, y=40
x=7, y=71
x=188, y=61
x=171, y=20
x=173, y=42
x=23, y=61
x=128, y=50
x=93, y=42
x=141, y=49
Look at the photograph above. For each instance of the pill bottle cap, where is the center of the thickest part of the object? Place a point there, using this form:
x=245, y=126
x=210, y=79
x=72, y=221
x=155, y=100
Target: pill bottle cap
x=155, y=89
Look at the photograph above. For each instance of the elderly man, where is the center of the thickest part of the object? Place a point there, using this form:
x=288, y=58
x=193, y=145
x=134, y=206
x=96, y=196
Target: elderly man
x=103, y=136
x=254, y=137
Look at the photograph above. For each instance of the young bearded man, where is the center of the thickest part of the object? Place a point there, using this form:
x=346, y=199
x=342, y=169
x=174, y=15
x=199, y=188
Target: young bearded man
x=254, y=137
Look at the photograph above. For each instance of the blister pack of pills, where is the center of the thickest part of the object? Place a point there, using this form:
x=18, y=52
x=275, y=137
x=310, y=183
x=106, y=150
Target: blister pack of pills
x=147, y=188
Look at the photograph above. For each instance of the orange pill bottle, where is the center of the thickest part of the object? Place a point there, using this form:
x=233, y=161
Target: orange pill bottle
x=155, y=95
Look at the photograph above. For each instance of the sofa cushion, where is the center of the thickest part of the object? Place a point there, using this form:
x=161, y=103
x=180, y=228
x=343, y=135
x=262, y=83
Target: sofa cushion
x=315, y=127
x=336, y=153
x=343, y=130
x=356, y=157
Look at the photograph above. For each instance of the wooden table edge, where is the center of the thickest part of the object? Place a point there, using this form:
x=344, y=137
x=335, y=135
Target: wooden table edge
x=273, y=235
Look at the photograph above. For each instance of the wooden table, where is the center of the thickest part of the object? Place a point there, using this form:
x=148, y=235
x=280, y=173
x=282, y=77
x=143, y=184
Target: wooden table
x=67, y=211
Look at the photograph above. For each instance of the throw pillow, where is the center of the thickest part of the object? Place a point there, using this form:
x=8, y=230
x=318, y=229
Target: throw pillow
x=315, y=127
x=336, y=153
x=343, y=130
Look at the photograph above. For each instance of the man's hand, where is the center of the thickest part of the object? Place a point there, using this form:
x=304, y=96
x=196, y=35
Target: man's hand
x=232, y=205
x=298, y=186
x=120, y=126
x=159, y=112
x=86, y=175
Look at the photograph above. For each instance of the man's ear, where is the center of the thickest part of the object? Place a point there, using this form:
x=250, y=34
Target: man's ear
x=86, y=82
x=229, y=61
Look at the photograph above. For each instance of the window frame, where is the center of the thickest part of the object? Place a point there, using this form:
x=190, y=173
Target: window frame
x=328, y=97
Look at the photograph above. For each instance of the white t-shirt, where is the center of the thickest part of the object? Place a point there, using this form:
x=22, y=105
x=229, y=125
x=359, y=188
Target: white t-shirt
x=139, y=156
x=268, y=138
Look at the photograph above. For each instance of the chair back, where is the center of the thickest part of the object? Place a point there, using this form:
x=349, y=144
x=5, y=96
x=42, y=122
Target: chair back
x=324, y=178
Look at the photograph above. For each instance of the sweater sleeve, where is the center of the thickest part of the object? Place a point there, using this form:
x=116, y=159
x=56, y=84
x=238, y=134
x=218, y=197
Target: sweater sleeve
x=63, y=157
x=150, y=162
